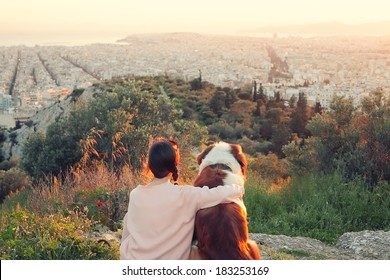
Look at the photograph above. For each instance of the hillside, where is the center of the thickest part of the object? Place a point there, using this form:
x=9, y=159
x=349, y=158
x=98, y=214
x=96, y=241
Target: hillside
x=43, y=118
x=311, y=173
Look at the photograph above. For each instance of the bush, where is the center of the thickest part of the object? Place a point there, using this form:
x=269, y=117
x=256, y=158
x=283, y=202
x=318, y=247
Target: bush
x=222, y=129
x=268, y=167
x=25, y=235
x=2, y=136
x=8, y=164
x=11, y=181
x=95, y=191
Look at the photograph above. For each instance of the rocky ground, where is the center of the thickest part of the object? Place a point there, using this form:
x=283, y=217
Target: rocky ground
x=364, y=245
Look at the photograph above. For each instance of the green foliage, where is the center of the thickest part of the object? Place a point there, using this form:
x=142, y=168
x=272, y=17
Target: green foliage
x=119, y=121
x=354, y=142
x=106, y=206
x=12, y=181
x=2, y=136
x=299, y=156
x=218, y=103
x=29, y=123
x=32, y=150
x=196, y=84
x=12, y=136
x=317, y=206
x=25, y=235
x=300, y=117
x=8, y=164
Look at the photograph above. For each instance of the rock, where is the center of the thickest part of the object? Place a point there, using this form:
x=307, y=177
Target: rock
x=368, y=244
x=298, y=248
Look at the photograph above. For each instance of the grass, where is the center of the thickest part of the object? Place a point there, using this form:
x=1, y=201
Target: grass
x=26, y=235
x=317, y=206
x=53, y=220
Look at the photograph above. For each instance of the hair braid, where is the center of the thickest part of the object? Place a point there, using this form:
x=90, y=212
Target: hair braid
x=175, y=175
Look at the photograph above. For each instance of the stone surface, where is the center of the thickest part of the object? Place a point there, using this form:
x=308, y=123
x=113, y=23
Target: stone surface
x=368, y=244
x=299, y=248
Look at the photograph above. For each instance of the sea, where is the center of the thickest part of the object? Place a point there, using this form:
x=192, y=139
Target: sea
x=8, y=40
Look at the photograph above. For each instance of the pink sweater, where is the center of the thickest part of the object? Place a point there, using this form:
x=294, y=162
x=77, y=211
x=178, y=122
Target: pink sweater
x=159, y=223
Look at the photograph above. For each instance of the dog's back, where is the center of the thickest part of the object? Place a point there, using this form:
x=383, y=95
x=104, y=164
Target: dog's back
x=222, y=230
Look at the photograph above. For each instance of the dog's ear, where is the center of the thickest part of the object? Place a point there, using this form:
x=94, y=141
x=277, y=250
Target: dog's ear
x=203, y=154
x=239, y=156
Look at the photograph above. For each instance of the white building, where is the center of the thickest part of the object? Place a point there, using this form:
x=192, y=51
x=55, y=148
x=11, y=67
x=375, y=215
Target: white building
x=5, y=102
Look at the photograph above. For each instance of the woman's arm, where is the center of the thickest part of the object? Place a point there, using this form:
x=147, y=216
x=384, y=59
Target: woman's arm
x=205, y=197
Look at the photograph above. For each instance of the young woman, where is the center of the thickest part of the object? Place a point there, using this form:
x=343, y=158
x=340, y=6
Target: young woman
x=159, y=223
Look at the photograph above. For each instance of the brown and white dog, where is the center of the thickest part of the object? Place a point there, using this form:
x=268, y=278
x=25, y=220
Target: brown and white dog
x=222, y=231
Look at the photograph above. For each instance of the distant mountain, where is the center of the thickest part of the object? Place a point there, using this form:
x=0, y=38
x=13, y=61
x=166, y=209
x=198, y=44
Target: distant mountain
x=158, y=37
x=329, y=28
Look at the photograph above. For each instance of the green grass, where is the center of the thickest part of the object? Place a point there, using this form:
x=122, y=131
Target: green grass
x=26, y=235
x=317, y=206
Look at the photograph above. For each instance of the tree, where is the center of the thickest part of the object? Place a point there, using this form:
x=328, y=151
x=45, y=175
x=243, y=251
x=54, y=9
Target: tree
x=300, y=117
x=218, y=102
x=260, y=108
x=281, y=135
x=196, y=84
x=32, y=151
x=292, y=101
x=254, y=91
x=261, y=94
x=240, y=112
x=116, y=126
x=355, y=143
x=318, y=108
x=342, y=109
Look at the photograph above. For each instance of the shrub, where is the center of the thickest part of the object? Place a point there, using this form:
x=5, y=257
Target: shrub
x=12, y=181
x=25, y=235
x=2, y=136
x=268, y=167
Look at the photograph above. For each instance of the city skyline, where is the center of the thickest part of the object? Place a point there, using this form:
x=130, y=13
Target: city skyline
x=61, y=20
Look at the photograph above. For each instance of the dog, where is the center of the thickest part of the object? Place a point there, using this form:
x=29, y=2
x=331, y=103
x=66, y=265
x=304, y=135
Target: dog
x=221, y=232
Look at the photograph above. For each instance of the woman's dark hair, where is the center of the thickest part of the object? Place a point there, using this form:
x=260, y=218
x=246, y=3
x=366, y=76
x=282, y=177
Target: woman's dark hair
x=164, y=158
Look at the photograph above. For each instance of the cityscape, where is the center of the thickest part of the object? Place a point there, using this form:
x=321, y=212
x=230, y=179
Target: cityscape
x=33, y=77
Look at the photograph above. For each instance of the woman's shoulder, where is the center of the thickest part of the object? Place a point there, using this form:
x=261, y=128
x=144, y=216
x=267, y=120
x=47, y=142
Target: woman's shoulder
x=136, y=189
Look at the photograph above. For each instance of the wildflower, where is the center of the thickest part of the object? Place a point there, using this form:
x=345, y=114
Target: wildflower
x=99, y=203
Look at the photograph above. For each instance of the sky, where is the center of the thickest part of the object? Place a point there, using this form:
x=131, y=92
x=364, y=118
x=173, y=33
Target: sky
x=126, y=17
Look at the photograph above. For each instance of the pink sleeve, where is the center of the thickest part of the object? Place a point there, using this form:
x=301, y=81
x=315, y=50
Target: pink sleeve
x=205, y=197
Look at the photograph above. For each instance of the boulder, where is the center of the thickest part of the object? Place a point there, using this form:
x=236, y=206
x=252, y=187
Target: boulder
x=368, y=244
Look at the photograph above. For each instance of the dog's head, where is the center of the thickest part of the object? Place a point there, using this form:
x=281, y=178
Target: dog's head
x=225, y=156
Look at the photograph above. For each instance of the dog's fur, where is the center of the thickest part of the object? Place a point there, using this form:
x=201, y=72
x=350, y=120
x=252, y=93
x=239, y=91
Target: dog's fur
x=222, y=231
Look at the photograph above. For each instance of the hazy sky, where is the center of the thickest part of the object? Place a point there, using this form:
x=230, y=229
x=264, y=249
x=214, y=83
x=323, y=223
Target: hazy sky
x=126, y=17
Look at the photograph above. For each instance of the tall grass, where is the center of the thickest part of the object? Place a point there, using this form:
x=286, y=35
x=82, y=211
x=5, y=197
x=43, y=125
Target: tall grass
x=95, y=191
x=317, y=206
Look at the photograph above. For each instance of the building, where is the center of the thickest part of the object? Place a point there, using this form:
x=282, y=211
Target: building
x=5, y=102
